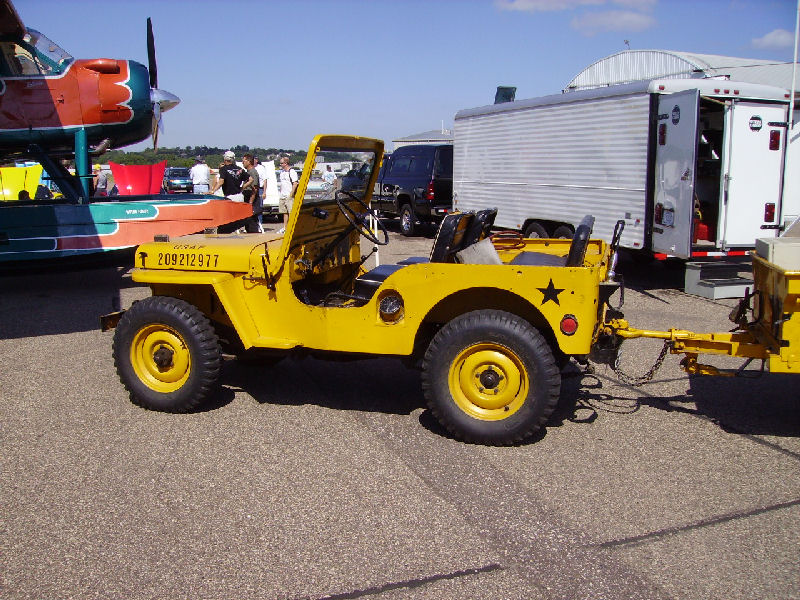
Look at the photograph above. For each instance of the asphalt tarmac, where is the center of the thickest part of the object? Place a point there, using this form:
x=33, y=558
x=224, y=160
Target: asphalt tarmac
x=313, y=479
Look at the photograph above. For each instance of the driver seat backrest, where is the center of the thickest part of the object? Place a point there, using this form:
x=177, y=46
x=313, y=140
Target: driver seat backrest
x=479, y=228
x=575, y=256
x=450, y=237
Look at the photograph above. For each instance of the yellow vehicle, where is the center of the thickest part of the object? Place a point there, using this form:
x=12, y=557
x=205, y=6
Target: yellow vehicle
x=490, y=319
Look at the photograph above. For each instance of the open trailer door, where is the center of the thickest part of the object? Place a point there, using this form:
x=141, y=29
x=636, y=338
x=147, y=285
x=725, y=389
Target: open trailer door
x=755, y=144
x=676, y=155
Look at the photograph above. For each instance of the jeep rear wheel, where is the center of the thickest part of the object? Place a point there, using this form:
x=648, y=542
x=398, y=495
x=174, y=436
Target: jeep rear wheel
x=490, y=377
x=408, y=221
x=167, y=354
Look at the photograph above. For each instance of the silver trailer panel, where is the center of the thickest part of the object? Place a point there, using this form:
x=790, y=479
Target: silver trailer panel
x=558, y=158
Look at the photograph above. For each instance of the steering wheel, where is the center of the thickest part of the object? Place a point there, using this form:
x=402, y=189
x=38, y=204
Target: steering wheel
x=359, y=220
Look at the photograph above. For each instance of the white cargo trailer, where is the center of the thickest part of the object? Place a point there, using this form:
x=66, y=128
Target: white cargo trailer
x=693, y=166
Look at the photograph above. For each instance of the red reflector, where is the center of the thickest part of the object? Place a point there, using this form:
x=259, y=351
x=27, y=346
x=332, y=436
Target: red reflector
x=775, y=139
x=658, y=213
x=662, y=134
x=662, y=87
x=769, y=212
x=429, y=191
x=569, y=325
x=716, y=90
x=736, y=92
x=727, y=91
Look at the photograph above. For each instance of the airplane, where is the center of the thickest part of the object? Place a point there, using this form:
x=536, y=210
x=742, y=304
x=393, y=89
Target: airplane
x=54, y=107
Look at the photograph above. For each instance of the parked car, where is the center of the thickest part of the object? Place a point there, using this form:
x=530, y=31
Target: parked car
x=177, y=179
x=414, y=183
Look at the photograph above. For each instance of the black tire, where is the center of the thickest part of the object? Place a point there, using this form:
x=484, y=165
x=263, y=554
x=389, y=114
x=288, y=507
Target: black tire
x=490, y=350
x=167, y=354
x=408, y=221
x=563, y=232
x=536, y=230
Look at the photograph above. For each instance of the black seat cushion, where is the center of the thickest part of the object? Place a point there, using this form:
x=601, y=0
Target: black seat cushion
x=366, y=284
x=539, y=259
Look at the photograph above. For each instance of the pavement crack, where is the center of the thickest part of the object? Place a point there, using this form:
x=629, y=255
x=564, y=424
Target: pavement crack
x=670, y=531
x=411, y=583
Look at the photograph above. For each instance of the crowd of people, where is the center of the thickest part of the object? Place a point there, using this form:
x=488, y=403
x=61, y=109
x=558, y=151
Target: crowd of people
x=254, y=182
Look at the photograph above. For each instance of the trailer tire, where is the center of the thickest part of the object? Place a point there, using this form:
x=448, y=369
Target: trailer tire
x=408, y=220
x=536, y=230
x=167, y=354
x=490, y=377
x=563, y=232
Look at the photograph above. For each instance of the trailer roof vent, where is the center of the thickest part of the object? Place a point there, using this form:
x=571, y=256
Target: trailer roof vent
x=504, y=94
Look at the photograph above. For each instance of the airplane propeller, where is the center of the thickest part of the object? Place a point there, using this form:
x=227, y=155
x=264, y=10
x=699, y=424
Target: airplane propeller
x=161, y=100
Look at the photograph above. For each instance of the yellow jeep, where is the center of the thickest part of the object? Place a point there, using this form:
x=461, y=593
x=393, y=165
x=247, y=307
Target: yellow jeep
x=491, y=320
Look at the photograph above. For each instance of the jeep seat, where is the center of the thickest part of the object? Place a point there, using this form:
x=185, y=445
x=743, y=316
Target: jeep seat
x=575, y=256
x=449, y=240
x=456, y=232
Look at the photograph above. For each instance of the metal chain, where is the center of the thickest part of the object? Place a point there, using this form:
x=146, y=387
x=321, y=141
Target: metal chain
x=631, y=380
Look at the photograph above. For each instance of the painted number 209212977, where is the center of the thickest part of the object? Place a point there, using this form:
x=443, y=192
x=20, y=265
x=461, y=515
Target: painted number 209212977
x=187, y=259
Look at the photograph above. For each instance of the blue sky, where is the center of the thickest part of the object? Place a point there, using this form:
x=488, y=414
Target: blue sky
x=274, y=74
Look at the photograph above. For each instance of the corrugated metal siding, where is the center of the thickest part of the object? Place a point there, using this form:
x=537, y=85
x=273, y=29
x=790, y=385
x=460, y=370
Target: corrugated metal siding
x=632, y=66
x=557, y=162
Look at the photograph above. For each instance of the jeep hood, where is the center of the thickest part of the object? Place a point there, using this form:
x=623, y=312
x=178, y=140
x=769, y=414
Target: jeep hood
x=229, y=253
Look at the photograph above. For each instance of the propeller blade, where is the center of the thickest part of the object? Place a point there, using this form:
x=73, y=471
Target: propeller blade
x=151, y=55
x=157, y=124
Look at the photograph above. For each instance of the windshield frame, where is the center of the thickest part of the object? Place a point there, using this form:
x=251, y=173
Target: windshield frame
x=47, y=51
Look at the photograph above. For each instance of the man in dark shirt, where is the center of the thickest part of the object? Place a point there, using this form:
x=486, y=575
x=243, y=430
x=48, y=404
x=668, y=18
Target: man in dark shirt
x=250, y=191
x=230, y=176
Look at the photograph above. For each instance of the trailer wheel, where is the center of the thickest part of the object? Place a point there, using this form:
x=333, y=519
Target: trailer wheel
x=563, y=232
x=408, y=220
x=167, y=354
x=535, y=230
x=489, y=377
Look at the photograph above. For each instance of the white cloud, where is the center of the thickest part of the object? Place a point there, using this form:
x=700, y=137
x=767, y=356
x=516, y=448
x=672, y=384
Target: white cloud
x=640, y=5
x=613, y=20
x=776, y=39
x=543, y=5
x=553, y=5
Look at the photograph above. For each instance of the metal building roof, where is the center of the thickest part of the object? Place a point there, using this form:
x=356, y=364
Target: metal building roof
x=435, y=136
x=635, y=65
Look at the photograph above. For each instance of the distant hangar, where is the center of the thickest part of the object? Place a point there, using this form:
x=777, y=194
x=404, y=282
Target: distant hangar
x=636, y=65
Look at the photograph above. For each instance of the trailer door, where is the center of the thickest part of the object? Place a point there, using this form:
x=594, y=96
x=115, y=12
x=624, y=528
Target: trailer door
x=754, y=144
x=676, y=152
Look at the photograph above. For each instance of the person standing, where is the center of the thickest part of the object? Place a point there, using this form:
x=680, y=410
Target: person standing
x=201, y=176
x=100, y=181
x=262, y=184
x=288, y=186
x=250, y=189
x=329, y=176
x=271, y=192
x=230, y=176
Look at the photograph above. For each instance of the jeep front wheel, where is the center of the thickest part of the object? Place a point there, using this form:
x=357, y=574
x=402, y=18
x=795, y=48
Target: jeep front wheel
x=408, y=221
x=490, y=377
x=167, y=354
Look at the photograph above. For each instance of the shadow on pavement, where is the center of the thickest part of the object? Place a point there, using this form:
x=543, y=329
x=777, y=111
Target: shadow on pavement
x=768, y=405
x=372, y=385
x=59, y=299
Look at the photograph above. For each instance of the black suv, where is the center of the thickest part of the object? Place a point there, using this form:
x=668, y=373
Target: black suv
x=414, y=183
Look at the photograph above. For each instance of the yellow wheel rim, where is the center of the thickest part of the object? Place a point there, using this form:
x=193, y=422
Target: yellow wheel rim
x=488, y=381
x=160, y=358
